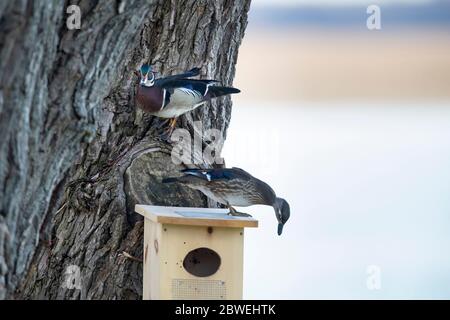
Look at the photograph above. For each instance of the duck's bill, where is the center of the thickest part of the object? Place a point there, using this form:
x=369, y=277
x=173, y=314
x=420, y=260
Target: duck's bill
x=280, y=229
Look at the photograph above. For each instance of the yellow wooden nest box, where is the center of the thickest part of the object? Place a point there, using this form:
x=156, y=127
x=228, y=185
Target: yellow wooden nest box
x=192, y=253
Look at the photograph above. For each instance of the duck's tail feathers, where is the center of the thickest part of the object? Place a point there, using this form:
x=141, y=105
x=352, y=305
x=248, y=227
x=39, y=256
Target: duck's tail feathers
x=217, y=91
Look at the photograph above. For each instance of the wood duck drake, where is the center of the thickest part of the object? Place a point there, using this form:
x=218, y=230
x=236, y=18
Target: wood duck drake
x=172, y=96
x=234, y=187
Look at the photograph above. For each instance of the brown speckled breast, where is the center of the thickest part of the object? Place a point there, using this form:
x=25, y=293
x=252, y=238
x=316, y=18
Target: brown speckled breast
x=149, y=99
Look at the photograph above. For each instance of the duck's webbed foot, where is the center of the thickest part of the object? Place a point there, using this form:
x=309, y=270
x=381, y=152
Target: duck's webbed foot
x=167, y=133
x=172, y=124
x=235, y=213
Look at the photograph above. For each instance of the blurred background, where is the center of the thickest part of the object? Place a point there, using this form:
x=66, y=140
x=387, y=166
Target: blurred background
x=352, y=127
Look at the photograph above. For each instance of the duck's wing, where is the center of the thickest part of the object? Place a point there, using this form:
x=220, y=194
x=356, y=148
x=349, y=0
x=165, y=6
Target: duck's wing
x=191, y=73
x=218, y=174
x=200, y=86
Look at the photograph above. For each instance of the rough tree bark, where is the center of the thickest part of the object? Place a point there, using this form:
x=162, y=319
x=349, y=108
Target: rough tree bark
x=75, y=153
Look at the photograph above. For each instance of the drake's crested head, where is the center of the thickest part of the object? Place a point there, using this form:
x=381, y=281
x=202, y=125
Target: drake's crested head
x=147, y=75
x=282, y=212
x=145, y=69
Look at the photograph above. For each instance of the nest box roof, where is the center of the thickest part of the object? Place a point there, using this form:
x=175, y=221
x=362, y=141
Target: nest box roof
x=212, y=217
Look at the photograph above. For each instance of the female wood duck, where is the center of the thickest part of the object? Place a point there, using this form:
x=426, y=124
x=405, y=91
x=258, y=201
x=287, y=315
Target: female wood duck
x=234, y=187
x=172, y=96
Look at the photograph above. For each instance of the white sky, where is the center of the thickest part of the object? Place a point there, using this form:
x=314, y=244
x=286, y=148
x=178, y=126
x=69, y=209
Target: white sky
x=281, y=3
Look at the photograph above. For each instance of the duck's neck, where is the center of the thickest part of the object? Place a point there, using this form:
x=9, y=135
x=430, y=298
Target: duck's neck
x=148, y=83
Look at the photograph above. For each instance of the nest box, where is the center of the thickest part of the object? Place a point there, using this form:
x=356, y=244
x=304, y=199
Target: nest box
x=192, y=253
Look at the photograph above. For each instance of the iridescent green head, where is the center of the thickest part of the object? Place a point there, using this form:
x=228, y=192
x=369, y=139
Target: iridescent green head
x=147, y=75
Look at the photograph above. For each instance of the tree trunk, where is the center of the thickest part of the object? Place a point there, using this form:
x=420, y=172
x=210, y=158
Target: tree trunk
x=76, y=154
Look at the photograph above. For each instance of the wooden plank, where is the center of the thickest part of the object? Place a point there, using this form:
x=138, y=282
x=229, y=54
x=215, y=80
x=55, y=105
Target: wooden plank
x=213, y=217
x=152, y=265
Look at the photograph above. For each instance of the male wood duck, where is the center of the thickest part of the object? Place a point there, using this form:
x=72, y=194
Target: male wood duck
x=175, y=95
x=234, y=187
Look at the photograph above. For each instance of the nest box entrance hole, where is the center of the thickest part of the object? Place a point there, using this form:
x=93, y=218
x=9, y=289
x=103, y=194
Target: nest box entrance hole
x=202, y=262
